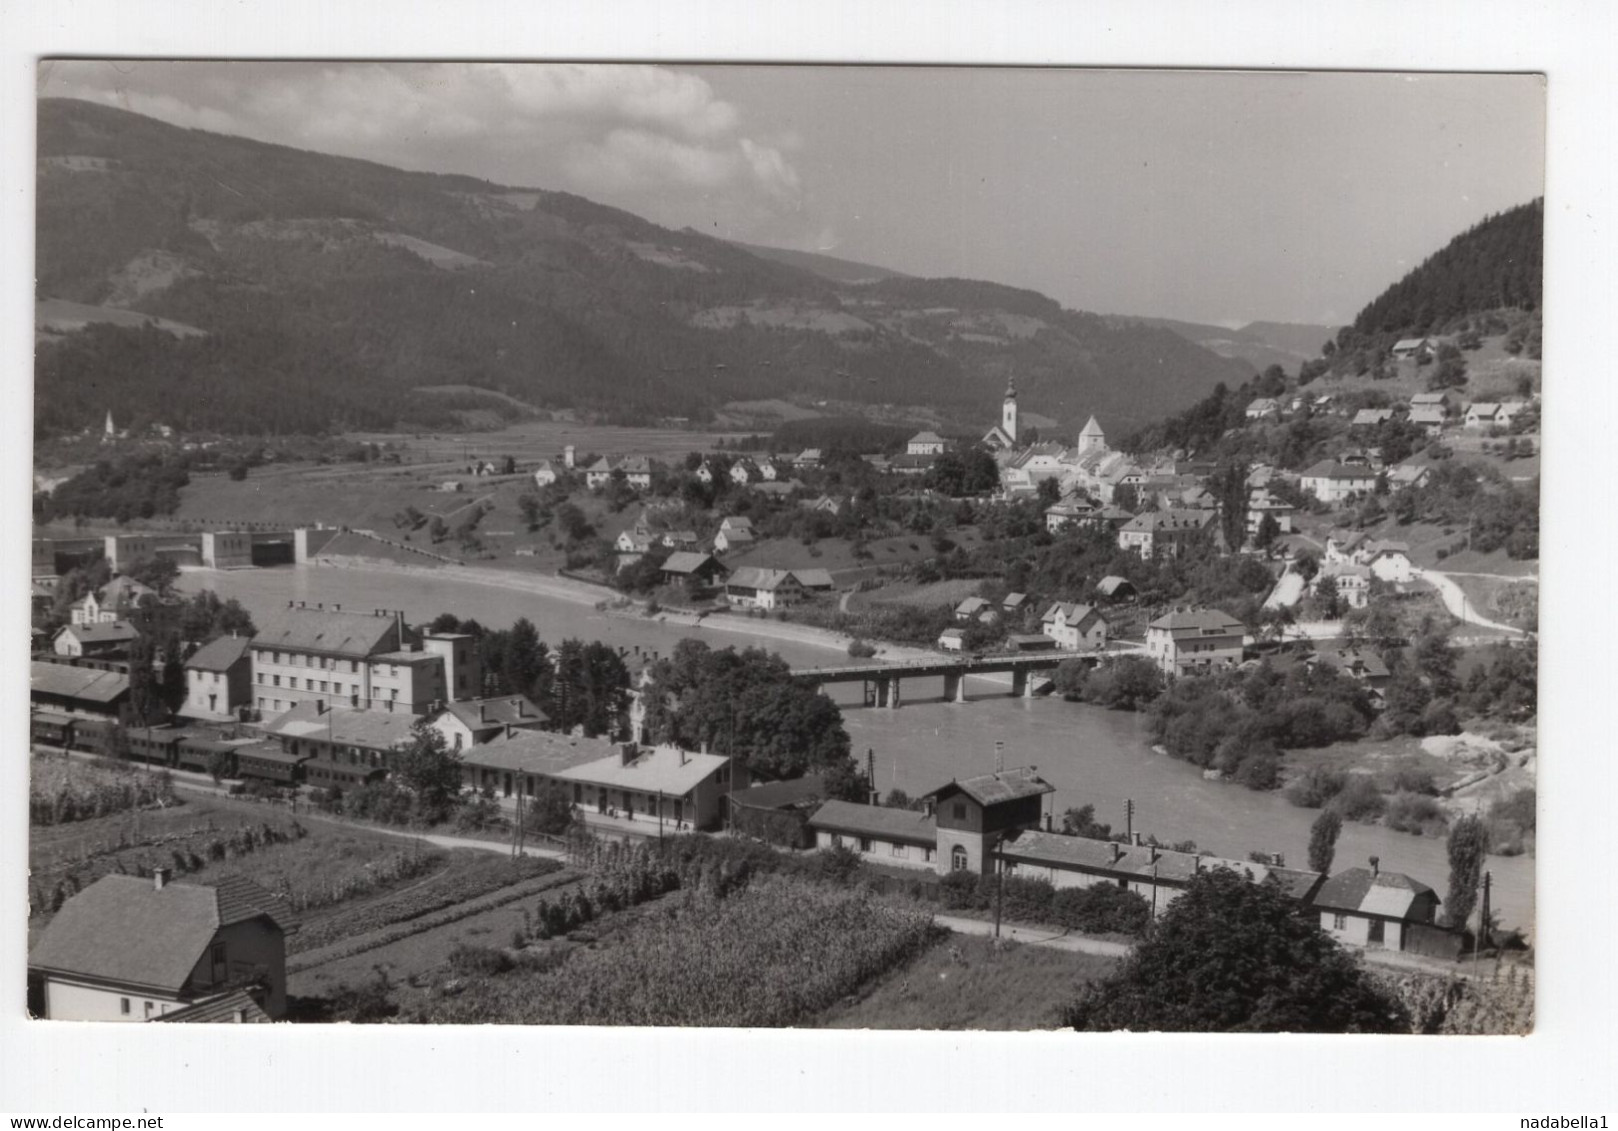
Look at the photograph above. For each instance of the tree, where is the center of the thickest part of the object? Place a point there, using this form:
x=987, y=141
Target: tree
x=1323, y=840
x=845, y=781
x=589, y=688
x=145, y=691
x=1468, y=846
x=158, y=573
x=1435, y=659
x=550, y=811
x=1230, y=955
x=1268, y=530
x=437, y=530
x=528, y=508
x=431, y=771
x=1228, y=486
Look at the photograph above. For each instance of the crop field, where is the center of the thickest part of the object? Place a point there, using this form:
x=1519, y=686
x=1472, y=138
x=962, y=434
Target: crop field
x=311, y=863
x=63, y=790
x=775, y=954
x=966, y=982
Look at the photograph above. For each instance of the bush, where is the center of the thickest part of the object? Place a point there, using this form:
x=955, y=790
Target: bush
x=1359, y=799
x=1261, y=770
x=1415, y=813
x=1101, y=909
x=861, y=649
x=1415, y=781
x=1316, y=788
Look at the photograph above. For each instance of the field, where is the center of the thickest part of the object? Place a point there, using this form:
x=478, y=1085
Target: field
x=965, y=982
x=64, y=790
x=778, y=953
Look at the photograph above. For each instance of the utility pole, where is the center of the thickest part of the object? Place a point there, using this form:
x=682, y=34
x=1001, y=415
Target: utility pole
x=999, y=881
x=1483, y=917
x=1129, y=820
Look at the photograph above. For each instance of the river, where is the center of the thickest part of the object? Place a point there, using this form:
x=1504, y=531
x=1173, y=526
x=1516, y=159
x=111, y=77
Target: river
x=1091, y=756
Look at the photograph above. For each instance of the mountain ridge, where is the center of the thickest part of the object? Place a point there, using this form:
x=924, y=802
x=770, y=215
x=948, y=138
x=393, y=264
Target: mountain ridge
x=327, y=288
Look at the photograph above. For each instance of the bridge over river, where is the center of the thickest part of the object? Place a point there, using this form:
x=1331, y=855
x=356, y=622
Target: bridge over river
x=882, y=680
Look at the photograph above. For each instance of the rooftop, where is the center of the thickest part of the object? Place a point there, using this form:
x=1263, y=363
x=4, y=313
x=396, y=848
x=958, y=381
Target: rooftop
x=906, y=825
x=1392, y=894
x=995, y=788
x=373, y=730
x=665, y=769
x=124, y=929
x=539, y=752
x=327, y=630
x=219, y=655
x=506, y=710
x=1199, y=620
x=77, y=683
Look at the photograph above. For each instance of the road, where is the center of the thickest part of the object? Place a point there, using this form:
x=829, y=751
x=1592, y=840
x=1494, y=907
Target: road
x=1456, y=602
x=1034, y=936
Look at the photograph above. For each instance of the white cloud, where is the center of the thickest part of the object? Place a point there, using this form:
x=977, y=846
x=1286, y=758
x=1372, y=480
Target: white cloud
x=648, y=138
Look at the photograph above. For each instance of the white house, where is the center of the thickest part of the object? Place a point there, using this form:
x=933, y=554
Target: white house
x=756, y=588
x=1390, y=561
x=925, y=444
x=1482, y=414
x=1373, y=908
x=1264, y=408
x=544, y=474
x=952, y=639
x=1406, y=348
x=1075, y=627
x=1332, y=482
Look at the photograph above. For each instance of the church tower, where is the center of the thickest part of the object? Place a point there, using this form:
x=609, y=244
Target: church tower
x=1008, y=411
x=1091, y=438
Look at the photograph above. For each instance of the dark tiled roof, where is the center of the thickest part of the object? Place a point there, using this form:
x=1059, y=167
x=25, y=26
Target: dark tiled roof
x=236, y=1006
x=219, y=655
x=687, y=561
x=484, y=714
x=538, y=752
x=76, y=683
x=1384, y=893
x=326, y=630
x=113, y=632
x=781, y=794
x=992, y=789
x=875, y=820
x=1199, y=620
x=122, y=929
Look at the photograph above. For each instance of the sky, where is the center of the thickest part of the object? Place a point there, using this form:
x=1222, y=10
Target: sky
x=1211, y=196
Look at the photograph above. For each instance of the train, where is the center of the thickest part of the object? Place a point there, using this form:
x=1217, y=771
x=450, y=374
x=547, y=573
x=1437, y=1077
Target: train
x=199, y=750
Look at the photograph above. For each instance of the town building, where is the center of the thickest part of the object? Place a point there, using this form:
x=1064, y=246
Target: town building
x=219, y=679
x=1371, y=417
x=952, y=640
x=1481, y=414
x=1353, y=583
x=358, y=660
x=63, y=693
x=1166, y=533
x=1390, y=561
x=807, y=460
x=1115, y=589
x=689, y=566
x=1260, y=503
x=1006, y=435
x=544, y=473
x=1333, y=482
x=472, y=722
x=1429, y=418
x=925, y=444
x=733, y=539
x=1371, y=908
x=1075, y=627
x=778, y=812
x=128, y=948
x=1091, y=438
x=753, y=587
x=1071, y=511
x=1407, y=348
x=1195, y=642
x=973, y=608
x=905, y=838
x=343, y=746
x=975, y=814
x=104, y=639
x=1264, y=408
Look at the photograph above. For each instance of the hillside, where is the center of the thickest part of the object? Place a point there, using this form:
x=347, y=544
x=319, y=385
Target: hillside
x=1259, y=344
x=327, y=289
x=1488, y=279
x=826, y=266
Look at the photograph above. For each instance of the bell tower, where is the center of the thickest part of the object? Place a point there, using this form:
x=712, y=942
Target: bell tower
x=1008, y=411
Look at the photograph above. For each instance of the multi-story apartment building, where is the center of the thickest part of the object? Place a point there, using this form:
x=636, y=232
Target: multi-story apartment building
x=371, y=661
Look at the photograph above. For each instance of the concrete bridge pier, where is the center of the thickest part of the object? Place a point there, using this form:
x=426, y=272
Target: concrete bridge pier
x=954, y=687
x=1020, y=683
x=887, y=692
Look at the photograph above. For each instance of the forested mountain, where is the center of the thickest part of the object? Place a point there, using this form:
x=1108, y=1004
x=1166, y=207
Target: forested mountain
x=1495, y=265
x=826, y=266
x=1260, y=344
x=328, y=289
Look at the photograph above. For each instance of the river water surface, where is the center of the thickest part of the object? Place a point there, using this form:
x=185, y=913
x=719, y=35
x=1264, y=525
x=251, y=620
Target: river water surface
x=1091, y=756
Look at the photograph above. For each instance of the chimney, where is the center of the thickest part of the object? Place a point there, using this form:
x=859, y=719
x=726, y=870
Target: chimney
x=1196, y=865
x=1376, y=866
x=927, y=806
x=1047, y=822
x=160, y=878
x=682, y=755
x=336, y=608
x=876, y=798
x=1153, y=859
x=626, y=753
x=239, y=1015
x=1137, y=838
x=1117, y=852
x=483, y=712
x=1278, y=860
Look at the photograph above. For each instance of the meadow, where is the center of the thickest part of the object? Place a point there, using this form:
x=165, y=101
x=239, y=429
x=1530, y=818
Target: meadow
x=966, y=982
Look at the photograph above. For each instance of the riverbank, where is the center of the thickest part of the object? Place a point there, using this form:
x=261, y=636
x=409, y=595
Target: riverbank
x=615, y=604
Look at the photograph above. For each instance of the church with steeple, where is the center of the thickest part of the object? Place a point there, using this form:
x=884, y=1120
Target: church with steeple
x=1005, y=436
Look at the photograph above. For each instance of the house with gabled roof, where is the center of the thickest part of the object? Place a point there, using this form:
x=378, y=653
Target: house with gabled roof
x=1406, y=348
x=1263, y=408
x=904, y=838
x=1372, y=908
x=1481, y=414
x=686, y=565
x=925, y=443
x=973, y=814
x=1371, y=417
x=67, y=691
x=1195, y=641
x=1074, y=626
x=128, y=948
x=1163, y=533
x=754, y=587
x=219, y=679
x=107, y=639
x=1333, y=482
x=471, y=722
